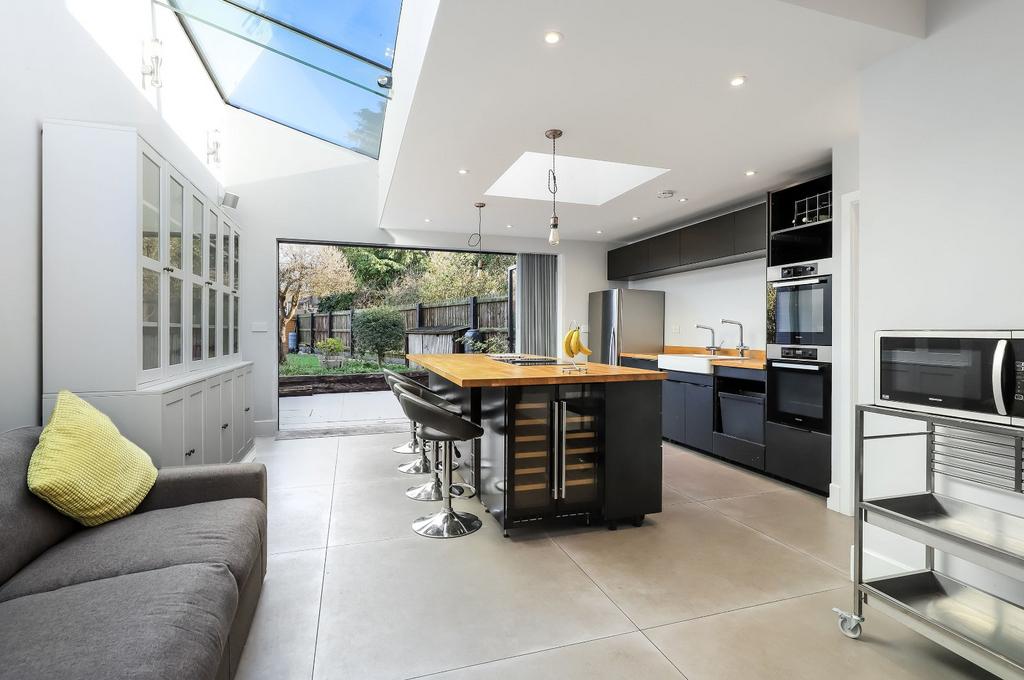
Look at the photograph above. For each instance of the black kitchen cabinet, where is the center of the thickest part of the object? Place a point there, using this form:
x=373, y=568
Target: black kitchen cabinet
x=688, y=404
x=665, y=250
x=799, y=456
x=710, y=240
x=636, y=362
x=700, y=416
x=629, y=260
x=749, y=229
x=733, y=237
x=673, y=400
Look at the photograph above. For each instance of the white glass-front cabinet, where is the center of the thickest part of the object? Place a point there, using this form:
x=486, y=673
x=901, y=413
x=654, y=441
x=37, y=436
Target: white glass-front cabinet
x=142, y=295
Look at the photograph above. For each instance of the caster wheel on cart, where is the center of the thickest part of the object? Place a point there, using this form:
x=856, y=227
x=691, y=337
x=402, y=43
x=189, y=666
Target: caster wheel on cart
x=638, y=520
x=849, y=625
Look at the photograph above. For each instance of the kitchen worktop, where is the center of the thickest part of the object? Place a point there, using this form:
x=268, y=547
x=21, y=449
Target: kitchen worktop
x=754, y=361
x=479, y=370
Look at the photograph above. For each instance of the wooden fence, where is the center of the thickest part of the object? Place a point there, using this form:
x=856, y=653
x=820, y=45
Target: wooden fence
x=484, y=313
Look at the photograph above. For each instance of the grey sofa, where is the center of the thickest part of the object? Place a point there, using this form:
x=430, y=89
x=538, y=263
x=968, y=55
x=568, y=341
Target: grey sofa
x=167, y=592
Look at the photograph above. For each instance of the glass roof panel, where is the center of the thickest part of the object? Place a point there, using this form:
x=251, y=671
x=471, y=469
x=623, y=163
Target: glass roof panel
x=368, y=28
x=287, y=91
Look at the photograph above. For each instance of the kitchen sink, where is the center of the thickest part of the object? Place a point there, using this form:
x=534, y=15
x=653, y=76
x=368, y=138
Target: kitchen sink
x=692, y=363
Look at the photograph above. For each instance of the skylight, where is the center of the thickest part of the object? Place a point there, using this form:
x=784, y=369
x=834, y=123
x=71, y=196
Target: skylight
x=312, y=65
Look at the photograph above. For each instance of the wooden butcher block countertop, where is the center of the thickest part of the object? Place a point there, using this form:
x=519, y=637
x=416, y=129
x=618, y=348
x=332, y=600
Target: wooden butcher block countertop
x=755, y=358
x=479, y=370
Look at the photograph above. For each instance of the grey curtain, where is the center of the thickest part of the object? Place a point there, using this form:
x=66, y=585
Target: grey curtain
x=536, y=304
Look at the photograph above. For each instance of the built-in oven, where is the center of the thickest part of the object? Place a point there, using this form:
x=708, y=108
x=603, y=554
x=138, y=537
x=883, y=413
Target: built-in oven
x=800, y=390
x=966, y=374
x=799, y=304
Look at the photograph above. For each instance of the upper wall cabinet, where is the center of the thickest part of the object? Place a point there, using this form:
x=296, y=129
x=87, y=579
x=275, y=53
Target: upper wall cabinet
x=732, y=237
x=140, y=269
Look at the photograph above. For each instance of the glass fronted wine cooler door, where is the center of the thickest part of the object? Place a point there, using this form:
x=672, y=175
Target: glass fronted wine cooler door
x=579, y=449
x=530, y=443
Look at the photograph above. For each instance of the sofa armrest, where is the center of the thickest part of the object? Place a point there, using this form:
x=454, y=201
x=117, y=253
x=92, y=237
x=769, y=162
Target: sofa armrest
x=177, y=486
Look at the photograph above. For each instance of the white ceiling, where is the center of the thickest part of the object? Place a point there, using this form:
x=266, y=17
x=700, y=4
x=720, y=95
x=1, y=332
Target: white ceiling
x=643, y=82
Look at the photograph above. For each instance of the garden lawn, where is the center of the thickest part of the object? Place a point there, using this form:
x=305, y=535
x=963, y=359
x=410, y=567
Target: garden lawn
x=309, y=364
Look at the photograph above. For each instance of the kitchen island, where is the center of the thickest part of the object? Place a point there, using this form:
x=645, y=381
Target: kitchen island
x=556, y=443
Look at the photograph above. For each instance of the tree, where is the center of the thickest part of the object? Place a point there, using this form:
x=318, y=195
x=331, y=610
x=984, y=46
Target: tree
x=452, y=276
x=378, y=330
x=377, y=269
x=305, y=271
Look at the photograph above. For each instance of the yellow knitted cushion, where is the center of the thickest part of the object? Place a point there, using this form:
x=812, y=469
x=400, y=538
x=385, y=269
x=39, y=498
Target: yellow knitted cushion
x=85, y=468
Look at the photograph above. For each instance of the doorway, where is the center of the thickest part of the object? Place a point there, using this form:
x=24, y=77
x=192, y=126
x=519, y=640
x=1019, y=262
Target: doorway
x=348, y=311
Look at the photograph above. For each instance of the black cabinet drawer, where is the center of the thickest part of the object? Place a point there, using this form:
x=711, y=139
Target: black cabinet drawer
x=798, y=456
x=634, y=362
x=750, y=229
x=708, y=240
x=664, y=251
x=739, y=451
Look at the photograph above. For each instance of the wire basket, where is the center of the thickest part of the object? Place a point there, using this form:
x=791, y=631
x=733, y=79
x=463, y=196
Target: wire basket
x=817, y=208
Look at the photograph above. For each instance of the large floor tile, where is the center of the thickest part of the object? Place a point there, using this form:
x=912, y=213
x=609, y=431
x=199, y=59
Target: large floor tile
x=268, y=446
x=369, y=458
x=373, y=511
x=283, y=635
x=624, y=656
x=297, y=518
x=798, y=640
x=798, y=519
x=702, y=478
x=407, y=607
x=299, y=466
x=690, y=561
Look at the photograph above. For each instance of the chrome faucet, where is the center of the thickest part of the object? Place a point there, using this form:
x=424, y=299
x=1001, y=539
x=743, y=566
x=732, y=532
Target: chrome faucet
x=712, y=348
x=741, y=347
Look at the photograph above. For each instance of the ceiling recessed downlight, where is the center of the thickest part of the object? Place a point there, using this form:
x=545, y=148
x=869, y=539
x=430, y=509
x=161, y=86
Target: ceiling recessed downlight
x=552, y=37
x=426, y=219
x=750, y=173
x=738, y=81
x=463, y=171
x=683, y=199
x=598, y=232
x=635, y=218
x=508, y=226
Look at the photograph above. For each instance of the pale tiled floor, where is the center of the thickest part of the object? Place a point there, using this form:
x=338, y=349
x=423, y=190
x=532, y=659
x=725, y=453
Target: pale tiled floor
x=325, y=411
x=735, y=579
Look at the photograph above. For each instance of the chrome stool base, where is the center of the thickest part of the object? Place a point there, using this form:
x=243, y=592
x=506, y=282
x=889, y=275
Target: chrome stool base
x=447, y=524
x=410, y=446
x=430, y=491
x=420, y=466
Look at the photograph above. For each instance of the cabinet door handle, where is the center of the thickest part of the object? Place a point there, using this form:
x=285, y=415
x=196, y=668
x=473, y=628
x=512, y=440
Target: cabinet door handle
x=565, y=449
x=556, y=431
x=190, y=452
x=248, y=408
x=224, y=426
x=168, y=269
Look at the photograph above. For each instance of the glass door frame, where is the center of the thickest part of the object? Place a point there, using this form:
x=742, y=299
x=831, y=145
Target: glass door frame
x=146, y=375
x=178, y=273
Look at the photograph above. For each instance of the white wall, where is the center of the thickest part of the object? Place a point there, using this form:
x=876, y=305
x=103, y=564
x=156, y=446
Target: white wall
x=706, y=296
x=941, y=174
x=78, y=60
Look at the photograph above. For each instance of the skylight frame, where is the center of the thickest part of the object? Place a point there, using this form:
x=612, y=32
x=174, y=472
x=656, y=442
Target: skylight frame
x=185, y=17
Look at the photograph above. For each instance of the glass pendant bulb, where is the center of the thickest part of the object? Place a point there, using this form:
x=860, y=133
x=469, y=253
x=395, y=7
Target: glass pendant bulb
x=553, y=238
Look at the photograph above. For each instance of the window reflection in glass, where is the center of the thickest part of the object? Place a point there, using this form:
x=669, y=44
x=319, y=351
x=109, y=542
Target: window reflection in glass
x=150, y=208
x=150, y=319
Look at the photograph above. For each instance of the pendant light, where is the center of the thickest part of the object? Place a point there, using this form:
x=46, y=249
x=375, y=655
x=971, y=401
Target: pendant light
x=553, y=238
x=477, y=240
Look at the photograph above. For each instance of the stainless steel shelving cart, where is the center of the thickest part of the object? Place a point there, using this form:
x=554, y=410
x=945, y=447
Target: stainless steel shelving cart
x=979, y=626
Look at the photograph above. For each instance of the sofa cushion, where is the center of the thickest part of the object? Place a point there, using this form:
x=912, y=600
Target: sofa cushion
x=226, y=532
x=85, y=467
x=28, y=526
x=154, y=625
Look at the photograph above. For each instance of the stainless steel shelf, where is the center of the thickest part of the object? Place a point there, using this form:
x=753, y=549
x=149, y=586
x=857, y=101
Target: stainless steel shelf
x=986, y=537
x=980, y=627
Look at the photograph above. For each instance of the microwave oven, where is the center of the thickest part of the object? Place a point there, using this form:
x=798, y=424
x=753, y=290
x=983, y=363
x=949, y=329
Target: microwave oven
x=965, y=374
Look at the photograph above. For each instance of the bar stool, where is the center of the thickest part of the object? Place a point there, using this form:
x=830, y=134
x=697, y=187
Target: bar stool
x=421, y=465
x=438, y=425
x=411, y=446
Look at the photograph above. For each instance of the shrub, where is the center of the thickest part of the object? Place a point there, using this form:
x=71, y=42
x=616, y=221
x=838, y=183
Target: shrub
x=335, y=302
x=378, y=330
x=329, y=346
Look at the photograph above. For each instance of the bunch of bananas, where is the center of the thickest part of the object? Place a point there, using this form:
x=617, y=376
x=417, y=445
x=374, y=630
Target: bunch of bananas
x=572, y=345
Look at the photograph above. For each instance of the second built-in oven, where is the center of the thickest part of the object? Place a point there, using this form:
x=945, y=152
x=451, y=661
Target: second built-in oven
x=800, y=394
x=800, y=307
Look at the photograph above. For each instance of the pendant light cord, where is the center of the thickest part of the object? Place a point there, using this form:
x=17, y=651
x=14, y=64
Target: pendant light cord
x=477, y=240
x=552, y=178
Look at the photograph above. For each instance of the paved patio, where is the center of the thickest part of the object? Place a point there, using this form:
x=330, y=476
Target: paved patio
x=349, y=413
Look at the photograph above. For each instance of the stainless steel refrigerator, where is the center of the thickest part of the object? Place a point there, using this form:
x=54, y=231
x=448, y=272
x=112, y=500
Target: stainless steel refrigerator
x=624, y=320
